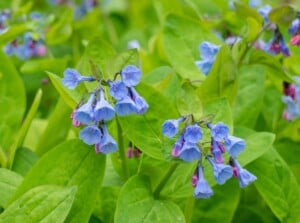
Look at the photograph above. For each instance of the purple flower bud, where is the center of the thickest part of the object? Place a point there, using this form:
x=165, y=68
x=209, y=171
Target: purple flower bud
x=222, y=172
x=90, y=135
x=103, y=110
x=131, y=75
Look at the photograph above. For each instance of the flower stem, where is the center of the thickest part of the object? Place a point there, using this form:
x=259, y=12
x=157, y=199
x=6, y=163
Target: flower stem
x=122, y=151
x=188, y=210
x=164, y=180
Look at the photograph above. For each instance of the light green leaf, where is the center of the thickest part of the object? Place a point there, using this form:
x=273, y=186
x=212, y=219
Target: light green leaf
x=24, y=160
x=136, y=204
x=79, y=166
x=9, y=181
x=41, y=204
x=245, y=11
x=283, y=14
x=277, y=185
x=253, y=29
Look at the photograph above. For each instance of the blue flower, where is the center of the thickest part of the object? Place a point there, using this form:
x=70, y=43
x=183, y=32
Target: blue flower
x=193, y=134
x=85, y=113
x=222, y=172
x=292, y=109
x=202, y=189
x=140, y=103
x=170, y=127
x=178, y=146
x=189, y=152
x=125, y=106
x=294, y=28
x=219, y=132
x=244, y=176
x=208, y=53
x=72, y=78
x=107, y=144
x=103, y=110
x=204, y=65
x=91, y=135
x=216, y=152
x=131, y=75
x=234, y=145
x=254, y=3
x=118, y=90
x=264, y=11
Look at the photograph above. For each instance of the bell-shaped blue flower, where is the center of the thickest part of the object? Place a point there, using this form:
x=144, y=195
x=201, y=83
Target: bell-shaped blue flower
x=204, y=65
x=189, y=152
x=125, y=106
x=234, y=145
x=202, y=188
x=131, y=75
x=72, y=78
x=170, y=127
x=208, y=50
x=107, y=143
x=244, y=176
x=91, y=135
x=219, y=131
x=103, y=110
x=140, y=103
x=85, y=113
x=222, y=172
x=118, y=89
x=193, y=134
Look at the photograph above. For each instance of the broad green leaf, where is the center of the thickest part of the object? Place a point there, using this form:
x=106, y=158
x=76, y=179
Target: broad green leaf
x=188, y=102
x=70, y=97
x=253, y=29
x=282, y=15
x=24, y=160
x=79, y=166
x=136, y=204
x=245, y=11
x=58, y=127
x=249, y=99
x=9, y=181
x=12, y=33
x=221, y=80
x=12, y=101
x=277, y=185
x=209, y=210
x=41, y=204
x=35, y=131
x=149, y=138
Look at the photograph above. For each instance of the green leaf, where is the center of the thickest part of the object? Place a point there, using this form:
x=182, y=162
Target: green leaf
x=149, y=139
x=12, y=33
x=278, y=186
x=12, y=96
x=136, y=204
x=283, y=14
x=24, y=160
x=70, y=97
x=245, y=11
x=249, y=99
x=253, y=29
x=70, y=163
x=221, y=81
x=41, y=205
x=58, y=127
x=9, y=181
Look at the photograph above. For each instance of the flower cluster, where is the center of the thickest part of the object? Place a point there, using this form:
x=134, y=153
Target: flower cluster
x=292, y=100
x=95, y=112
x=190, y=146
x=208, y=53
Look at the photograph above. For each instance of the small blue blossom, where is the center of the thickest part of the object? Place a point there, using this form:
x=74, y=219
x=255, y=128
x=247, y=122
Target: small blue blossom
x=118, y=89
x=72, y=78
x=264, y=12
x=222, y=172
x=208, y=53
x=107, y=144
x=140, y=103
x=131, y=75
x=125, y=106
x=170, y=127
x=193, y=134
x=244, y=176
x=103, y=110
x=189, y=152
x=85, y=113
x=91, y=135
x=294, y=28
x=234, y=145
x=219, y=131
x=254, y=3
x=204, y=65
x=202, y=188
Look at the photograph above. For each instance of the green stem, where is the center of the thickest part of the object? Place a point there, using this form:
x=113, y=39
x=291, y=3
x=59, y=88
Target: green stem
x=164, y=180
x=122, y=151
x=188, y=210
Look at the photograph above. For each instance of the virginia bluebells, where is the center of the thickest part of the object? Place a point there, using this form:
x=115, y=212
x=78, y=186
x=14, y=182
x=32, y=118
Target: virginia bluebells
x=98, y=109
x=244, y=176
x=202, y=188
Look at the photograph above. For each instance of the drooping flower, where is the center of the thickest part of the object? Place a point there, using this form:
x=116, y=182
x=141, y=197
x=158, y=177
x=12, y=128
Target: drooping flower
x=72, y=78
x=107, y=144
x=125, y=106
x=131, y=75
x=118, y=89
x=140, y=103
x=222, y=172
x=103, y=110
x=91, y=135
x=234, y=145
x=219, y=131
x=193, y=134
x=202, y=188
x=85, y=113
x=244, y=176
x=170, y=127
x=189, y=152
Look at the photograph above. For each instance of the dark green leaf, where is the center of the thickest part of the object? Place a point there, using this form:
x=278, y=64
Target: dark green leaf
x=245, y=11
x=282, y=15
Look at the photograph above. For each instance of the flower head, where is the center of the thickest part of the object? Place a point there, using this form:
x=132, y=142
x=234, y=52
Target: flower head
x=103, y=110
x=222, y=172
x=140, y=103
x=234, y=145
x=91, y=135
x=244, y=176
x=118, y=89
x=170, y=127
x=107, y=144
x=125, y=106
x=85, y=113
x=131, y=75
x=219, y=131
x=193, y=134
x=72, y=78
x=202, y=188
x=189, y=152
